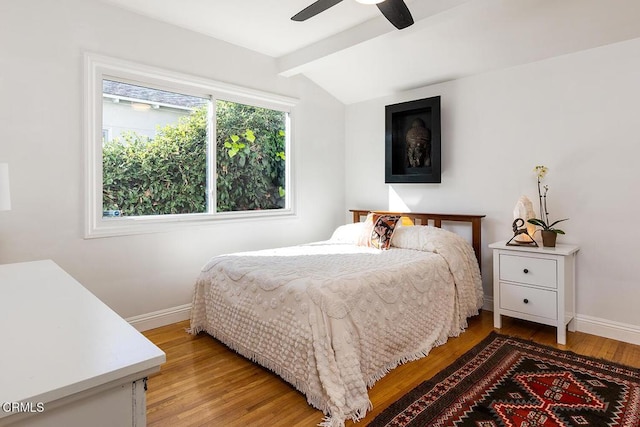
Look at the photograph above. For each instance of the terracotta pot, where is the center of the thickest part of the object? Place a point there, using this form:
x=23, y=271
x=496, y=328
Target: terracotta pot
x=549, y=239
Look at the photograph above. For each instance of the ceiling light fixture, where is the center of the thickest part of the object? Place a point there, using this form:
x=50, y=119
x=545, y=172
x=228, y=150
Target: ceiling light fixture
x=396, y=11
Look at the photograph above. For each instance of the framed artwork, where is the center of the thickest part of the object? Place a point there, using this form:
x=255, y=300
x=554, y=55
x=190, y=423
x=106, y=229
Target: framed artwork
x=412, y=142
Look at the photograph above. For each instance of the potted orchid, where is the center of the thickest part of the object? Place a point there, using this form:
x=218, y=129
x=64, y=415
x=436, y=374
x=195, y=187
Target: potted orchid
x=549, y=232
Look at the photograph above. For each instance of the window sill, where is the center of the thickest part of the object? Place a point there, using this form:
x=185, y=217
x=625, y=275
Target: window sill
x=127, y=226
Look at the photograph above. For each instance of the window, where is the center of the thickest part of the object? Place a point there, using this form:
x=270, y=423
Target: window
x=165, y=149
x=105, y=135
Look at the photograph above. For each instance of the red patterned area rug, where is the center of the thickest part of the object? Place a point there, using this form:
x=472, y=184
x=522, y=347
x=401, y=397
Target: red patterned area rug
x=509, y=382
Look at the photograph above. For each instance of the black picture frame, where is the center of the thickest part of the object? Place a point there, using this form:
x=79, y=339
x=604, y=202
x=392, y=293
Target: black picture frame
x=412, y=142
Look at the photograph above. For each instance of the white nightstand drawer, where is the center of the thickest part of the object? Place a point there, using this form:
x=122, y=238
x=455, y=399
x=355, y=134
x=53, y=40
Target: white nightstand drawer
x=523, y=299
x=529, y=270
x=548, y=285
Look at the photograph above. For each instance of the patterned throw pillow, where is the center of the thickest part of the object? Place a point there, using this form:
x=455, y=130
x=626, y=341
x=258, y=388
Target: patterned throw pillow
x=383, y=229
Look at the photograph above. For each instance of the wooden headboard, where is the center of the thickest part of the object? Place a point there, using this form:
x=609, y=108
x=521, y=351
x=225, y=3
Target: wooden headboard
x=436, y=219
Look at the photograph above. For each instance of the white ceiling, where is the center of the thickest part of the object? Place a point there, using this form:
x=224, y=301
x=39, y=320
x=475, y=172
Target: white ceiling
x=354, y=53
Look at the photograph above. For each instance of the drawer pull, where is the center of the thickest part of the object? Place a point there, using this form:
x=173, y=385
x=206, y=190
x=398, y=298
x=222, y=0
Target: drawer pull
x=526, y=270
x=526, y=301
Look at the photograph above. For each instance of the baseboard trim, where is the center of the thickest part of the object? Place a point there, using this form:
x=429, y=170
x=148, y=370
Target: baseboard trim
x=608, y=329
x=595, y=326
x=587, y=324
x=159, y=318
x=487, y=303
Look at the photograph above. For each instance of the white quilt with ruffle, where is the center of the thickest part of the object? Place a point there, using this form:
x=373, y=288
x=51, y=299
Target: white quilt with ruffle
x=332, y=318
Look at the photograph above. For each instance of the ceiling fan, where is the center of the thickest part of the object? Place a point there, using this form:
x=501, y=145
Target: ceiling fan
x=396, y=11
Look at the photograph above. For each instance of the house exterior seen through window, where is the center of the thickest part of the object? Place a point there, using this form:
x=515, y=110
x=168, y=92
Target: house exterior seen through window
x=182, y=151
x=155, y=161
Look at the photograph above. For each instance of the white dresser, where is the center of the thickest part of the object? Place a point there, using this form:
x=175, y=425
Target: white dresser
x=536, y=284
x=66, y=358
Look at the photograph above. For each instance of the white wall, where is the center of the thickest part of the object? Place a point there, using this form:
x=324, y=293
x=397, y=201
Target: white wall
x=578, y=115
x=575, y=114
x=41, y=45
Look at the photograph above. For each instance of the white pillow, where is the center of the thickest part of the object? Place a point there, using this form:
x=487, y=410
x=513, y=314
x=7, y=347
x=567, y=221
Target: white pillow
x=348, y=233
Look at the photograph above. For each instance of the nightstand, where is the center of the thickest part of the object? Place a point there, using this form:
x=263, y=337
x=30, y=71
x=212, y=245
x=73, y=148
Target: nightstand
x=536, y=284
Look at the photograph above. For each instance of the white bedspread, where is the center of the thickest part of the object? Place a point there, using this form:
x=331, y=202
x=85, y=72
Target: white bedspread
x=333, y=318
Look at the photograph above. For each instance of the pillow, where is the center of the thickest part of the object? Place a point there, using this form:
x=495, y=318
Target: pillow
x=348, y=233
x=367, y=227
x=405, y=221
x=382, y=231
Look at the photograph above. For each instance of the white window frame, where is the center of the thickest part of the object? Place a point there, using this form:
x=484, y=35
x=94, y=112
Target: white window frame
x=98, y=67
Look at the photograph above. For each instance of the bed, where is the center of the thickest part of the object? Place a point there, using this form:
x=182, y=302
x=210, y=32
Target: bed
x=333, y=317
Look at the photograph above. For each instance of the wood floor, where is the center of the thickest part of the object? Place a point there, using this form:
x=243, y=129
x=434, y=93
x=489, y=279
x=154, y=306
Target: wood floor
x=205, y=384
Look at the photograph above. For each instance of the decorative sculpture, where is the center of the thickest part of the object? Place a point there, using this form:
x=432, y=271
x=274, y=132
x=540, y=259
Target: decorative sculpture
x=524, y=210
x=518, y=233
x=418, y=144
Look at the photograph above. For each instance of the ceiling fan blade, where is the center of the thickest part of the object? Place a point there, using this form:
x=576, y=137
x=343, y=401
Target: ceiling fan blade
x=397, y=12
x=314, y=9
